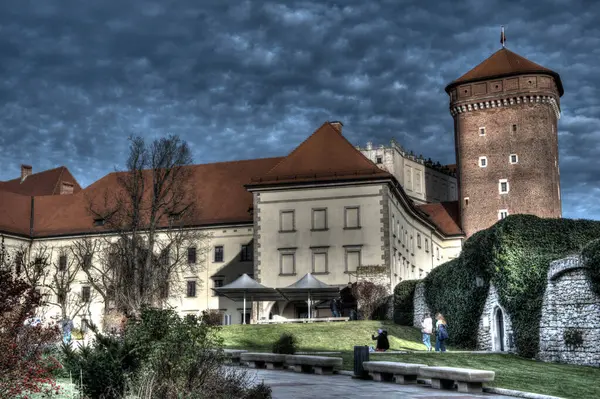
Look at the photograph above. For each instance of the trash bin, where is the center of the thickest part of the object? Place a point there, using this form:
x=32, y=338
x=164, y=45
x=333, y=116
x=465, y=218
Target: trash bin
x=361, y=354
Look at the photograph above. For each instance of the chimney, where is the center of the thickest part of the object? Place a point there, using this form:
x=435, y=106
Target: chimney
x=337, y=125
x=66, y=188
x=25, y=171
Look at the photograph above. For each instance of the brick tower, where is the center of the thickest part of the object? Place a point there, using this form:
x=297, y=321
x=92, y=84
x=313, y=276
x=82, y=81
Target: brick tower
x=506, y=113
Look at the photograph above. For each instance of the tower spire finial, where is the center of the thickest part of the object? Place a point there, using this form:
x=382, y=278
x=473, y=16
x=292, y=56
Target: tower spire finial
x=502, y=36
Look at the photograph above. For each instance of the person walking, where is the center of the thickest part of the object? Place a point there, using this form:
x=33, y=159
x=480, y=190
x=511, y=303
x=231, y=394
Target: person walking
x=427, y=330
x=441, y=333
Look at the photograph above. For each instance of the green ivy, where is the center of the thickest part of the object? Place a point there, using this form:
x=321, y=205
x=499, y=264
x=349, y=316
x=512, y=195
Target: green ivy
x=514, y=255
x=591, y=257
x=404, y=293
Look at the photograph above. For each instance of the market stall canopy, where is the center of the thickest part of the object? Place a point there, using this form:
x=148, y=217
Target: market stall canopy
x=245, y=287
x=309, y=287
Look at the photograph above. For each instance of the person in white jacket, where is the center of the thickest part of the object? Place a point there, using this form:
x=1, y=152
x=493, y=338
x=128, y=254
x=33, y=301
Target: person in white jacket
x=427, y=329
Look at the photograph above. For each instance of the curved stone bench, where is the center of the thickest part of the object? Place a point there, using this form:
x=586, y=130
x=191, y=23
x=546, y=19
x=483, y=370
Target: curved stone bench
x=233, y=355
x=272, y=361
x=467, y=380
x=320, y=364
x=402, y=373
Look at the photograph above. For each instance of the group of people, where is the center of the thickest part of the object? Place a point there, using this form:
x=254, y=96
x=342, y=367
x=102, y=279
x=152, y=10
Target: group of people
x=441, y=332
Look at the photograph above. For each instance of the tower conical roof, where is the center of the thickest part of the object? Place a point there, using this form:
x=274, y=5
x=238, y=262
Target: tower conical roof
x=504, y=63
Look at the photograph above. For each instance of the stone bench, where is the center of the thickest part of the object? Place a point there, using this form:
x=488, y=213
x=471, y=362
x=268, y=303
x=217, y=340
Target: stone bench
x=320, y=364
x=467, y=380
x=402, y=373
x=272, y=361
x=233, y=355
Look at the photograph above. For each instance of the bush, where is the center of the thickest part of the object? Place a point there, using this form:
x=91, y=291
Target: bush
x=514, y=255
x=369, y=296
x=23, y=366
x=161, y=355
x=591, y=257
x=212, y=317
x=404, y=293
x=287, y=344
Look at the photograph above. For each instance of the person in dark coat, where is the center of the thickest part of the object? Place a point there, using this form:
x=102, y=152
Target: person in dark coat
x=334, y=308
x=382, y=341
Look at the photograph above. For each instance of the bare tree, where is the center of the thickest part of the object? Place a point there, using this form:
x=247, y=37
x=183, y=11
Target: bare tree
x=147, y=213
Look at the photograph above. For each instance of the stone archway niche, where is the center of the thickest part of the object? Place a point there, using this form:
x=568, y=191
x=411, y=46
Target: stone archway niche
x=495, y=327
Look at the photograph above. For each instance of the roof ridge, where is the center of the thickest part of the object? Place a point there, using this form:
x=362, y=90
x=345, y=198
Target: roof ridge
x=297, y=147
x=59, y=179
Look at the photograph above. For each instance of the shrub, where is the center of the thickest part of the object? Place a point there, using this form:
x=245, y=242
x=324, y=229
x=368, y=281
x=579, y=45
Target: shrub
x=369, y=296
x=404, y=293
x=573, y=338
x=514, y=255
x=287, y=344
x=212, y=317
x=24, y=368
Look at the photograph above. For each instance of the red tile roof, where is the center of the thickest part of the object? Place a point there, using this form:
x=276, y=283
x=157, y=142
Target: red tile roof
x=324, y=156
x=218, y=189
x=445, y=215
x=47, y=182
x=504, y=63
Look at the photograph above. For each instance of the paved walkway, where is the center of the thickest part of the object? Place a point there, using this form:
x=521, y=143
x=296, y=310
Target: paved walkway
x=291, y=385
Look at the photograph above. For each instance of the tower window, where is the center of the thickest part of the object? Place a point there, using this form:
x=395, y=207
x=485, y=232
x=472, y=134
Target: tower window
x=503, y=186
x=379, y=159
x=514, y=128
x=513, y=158
x=482, y=162
x=482, y=131
x=466, y=201
x=502, y=213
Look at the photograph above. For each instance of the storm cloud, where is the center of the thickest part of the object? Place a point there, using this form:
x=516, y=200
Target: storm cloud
x=249, y=79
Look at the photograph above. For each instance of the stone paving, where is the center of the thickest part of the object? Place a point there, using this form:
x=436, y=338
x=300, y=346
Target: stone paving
x=290, y=385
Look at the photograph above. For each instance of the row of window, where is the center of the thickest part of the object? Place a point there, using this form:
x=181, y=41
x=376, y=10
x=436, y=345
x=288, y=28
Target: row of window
x=512, y=159
x=482, y=130
x=246, y=254
x=402, y=236
x=319, y=219
x=319, y=259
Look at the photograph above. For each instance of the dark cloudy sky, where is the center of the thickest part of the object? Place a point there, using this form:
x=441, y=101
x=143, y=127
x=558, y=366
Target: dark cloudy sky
x=247, y=79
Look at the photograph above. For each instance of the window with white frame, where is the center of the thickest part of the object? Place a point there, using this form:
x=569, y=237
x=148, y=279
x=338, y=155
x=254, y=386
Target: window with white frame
x=287, y=261
x=418, y=240
x=483, y=162
x=352, y=217
x=287, y=221
x=353, y=259
x=513, y=158
x=319, y=219
x=319, y=261
x=466, y=201
x=502, y=213
x=426, y=245
x=503, y=186
x=482, y=131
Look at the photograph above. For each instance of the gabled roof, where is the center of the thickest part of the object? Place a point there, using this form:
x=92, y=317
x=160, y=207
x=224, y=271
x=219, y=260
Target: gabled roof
x=445, y=216
x=47, y=182
x=324, y=156
x=504, y=63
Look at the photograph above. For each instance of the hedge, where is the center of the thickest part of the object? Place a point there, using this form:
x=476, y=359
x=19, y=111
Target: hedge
x=591, y=257
x=514, y=255
x=404, y=293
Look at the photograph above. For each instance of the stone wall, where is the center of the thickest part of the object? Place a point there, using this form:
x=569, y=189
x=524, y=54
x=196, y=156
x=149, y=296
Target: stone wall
x=570, y=305
x=420, y=305
x=489, y=334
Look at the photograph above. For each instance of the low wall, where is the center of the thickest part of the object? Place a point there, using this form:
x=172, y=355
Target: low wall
x=570, y=308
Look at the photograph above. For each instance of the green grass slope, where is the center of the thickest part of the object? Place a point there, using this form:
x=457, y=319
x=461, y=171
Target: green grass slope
x=337, y=336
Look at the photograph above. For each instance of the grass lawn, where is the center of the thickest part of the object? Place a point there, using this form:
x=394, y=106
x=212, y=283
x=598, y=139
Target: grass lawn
x=512, y=372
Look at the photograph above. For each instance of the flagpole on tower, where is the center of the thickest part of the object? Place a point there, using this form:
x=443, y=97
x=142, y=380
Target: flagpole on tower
x=502, y=36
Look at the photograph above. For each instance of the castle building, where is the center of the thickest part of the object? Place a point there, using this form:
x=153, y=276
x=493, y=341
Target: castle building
x=340, y=212
x=506, y=113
